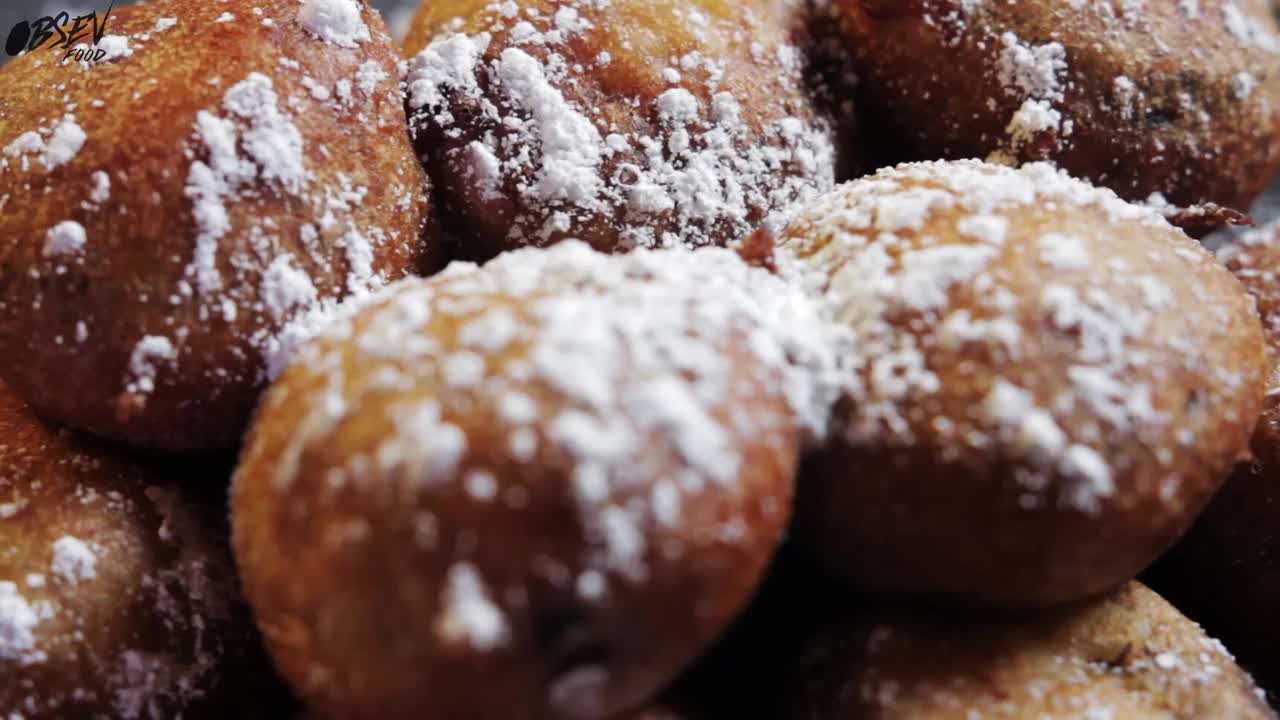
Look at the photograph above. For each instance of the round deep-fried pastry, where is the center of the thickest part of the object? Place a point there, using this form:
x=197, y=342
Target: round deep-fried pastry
x=118, y=597
x=169, y=211
x=1176, y=98
x=1130, y=655
x=538, y=490
x=623, y=124
x=1045, y=383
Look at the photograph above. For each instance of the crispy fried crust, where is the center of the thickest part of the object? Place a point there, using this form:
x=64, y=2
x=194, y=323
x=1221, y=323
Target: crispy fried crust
x=484, y=496
x=1227, y=570
x=1048, y=383
x=166, y=213
x=1181, y=99
x=622, y=124
x=1130, y=655
x=117, y=595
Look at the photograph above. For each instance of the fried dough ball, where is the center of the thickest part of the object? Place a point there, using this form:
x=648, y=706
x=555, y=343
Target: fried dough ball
x=118, y=597
x=535, y=490
x=167, y=213
x=1226, y=572
x=630, y=123
x=1130, y=655
x=1046, y=383
x=1181, y=99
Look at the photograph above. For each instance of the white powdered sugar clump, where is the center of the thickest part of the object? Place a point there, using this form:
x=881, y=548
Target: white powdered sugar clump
x=369, y=76
x=148, y=355
x=1030, y=121
x=67, y=238
x=18, y=620
x=53, y=147
x=101, y=191
x=67, y=139
x=503, y=110
x=1033, y=71
x=571, y=145
x=468, y=613
x=338, y=22
x=285, y=288
x=113, y=48
x=73, y=560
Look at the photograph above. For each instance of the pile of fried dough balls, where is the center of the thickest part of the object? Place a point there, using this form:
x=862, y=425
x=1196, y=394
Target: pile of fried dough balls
x=642, y=359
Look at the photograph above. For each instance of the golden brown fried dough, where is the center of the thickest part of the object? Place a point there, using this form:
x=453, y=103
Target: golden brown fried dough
x=623, y=124
x=118, y=597
x=1227, y=571
x=1181, y=99
x=535, y=490
x=1128, y=656
x=1046, y=383
x=168, y=212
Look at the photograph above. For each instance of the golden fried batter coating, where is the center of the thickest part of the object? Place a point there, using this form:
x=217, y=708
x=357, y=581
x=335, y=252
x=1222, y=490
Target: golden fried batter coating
x=535, y=490
x=1047, y=383
x=168, y=212
x=624, y=123
x=1128, y=656
x=1227, y=570
x=117, y=596
x=1177, y=98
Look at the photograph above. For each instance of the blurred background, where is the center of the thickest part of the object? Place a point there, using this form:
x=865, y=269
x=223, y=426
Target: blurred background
x=396, y=12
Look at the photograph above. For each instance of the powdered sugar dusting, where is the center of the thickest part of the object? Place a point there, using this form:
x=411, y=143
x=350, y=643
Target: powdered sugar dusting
x=18, y=621
x=502, y=109
x=149, y=355
x=267, y=149
x=899, y=248
x=54, y=146
x=113, y=48
x=64, y=239
x=1033, y=71
x=469, y=614
x=257, y=144
x=73, y=560
x=609, y=398
x=338, y=22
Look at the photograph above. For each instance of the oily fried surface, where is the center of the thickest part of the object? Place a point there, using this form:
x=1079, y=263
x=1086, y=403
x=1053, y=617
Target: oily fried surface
x=493, y=495
x=1129, y=655
x=166, y=214
x=1181, y=99
x=1048, y=384
x=623, y=124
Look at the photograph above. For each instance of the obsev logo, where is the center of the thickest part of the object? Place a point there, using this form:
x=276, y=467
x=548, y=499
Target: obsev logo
x=66, y=33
